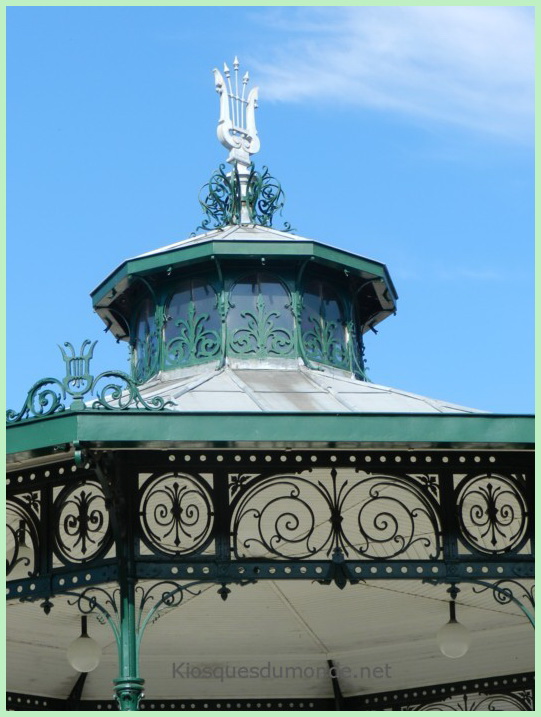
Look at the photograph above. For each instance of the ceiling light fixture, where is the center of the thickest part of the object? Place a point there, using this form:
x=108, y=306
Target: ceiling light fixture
x=453, y=638
x=84, y=653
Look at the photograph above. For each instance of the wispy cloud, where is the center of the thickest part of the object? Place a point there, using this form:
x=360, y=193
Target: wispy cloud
x=458, y=273
x=471, y=66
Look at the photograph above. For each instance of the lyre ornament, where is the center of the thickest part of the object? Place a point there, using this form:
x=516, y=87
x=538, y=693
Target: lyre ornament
x=236, y=127
x=242, y=195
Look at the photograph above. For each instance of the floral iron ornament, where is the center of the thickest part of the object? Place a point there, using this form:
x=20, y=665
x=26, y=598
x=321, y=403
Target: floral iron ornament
x=225, y=201
x=243, y=195
x=47, y=396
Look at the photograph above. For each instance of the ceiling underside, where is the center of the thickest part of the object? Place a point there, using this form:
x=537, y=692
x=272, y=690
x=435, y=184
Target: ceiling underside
x=380, y=635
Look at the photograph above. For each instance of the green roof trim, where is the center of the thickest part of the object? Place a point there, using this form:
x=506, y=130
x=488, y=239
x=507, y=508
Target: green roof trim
x=133, y=429
x=190, y=254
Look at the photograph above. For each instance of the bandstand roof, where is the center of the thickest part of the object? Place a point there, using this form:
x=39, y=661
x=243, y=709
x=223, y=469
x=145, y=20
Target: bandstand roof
x=284, y=387
x=333, y=512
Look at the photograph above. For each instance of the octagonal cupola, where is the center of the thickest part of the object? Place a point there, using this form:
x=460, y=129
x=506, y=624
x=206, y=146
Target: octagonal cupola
x=243, y=293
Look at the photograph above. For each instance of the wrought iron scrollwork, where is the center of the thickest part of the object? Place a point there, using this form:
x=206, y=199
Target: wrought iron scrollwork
x=194, y=341
x=505, y=591
x=265, y=197
x=176, y=513
x=146, y=356
x=493, y=514
x=221, y=199
x=376, y=516
x=120, y=393
x=261, y=336
x=82, y=525
x=321, y=344
x=120, y=396
x=22, y=541
x=519, y=701
x=159, y=598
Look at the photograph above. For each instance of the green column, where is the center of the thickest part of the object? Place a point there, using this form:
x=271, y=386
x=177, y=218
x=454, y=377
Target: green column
x=128, y=686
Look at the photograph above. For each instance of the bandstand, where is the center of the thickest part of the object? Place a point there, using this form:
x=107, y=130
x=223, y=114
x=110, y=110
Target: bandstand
x=246, y=521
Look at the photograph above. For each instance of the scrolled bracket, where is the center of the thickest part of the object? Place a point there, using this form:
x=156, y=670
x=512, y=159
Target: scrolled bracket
x=502, y=595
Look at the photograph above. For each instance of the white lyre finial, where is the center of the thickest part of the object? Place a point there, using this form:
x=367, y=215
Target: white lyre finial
x=236, y=127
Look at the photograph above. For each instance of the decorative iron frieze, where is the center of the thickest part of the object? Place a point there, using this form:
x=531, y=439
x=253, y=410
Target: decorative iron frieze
x=376, y=516
x=145, y=357
x=114, y=390
x=299, y=514
x=81, y=524
x=322, y=344
x=492, y=513
x=517, y=702
x=176, y=513
x=193, y=341
x=22, y=539
x=262, y=335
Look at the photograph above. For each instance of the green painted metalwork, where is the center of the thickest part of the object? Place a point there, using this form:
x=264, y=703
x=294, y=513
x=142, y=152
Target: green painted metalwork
x=424, y=515
x=259, y=314
x=265, y=197
x=321, y=342
x=502, y=595
x=274, y=521
x=324, y=336
x=221, y=199
x=194, y=341
x=78, y=382
x=262, y=336
x=297, y=249
x=245, y=430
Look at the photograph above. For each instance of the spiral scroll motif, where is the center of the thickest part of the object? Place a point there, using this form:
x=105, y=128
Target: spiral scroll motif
x=378, y=517
x=21, y=537
x=493, y=513
x=82, y=527
x=520, y=702
x=176, y=514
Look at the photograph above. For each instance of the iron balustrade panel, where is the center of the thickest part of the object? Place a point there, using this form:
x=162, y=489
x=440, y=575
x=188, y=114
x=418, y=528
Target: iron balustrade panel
x=234, y=515
x=58, y=530
x=456, y=509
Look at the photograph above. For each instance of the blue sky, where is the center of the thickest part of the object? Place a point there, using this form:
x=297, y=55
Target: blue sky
x=404, y=134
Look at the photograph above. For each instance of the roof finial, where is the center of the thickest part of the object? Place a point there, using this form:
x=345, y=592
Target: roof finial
x=236, y=127
x=243, y=195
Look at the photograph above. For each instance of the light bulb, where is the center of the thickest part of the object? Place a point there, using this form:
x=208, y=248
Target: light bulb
x=453, y=639
x=84, y=653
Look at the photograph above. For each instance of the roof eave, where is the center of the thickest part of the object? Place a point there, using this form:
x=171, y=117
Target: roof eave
x=136, y=429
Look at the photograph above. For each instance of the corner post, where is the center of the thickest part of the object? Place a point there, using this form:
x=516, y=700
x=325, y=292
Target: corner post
x=116, y=480
x=129, y=685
